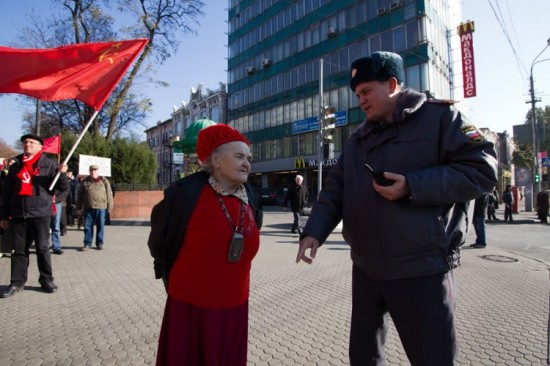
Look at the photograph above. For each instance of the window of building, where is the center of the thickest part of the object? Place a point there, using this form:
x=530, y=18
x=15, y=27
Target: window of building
x=286, y=113
x=300, y=110
x=266, y=150
x=316, y=110
x=334, y=62
x=361, y=11
x=374, y=44
x=412, y=33
x=293, y=111
x=386, y=39
x=300, y=42
x=215, y=113
x=337, y=139
x=399, y=43
x=257, y=151
x=287, y=147
x=315, y=34
x=273, y=117
x=315, y=68
x=354, y=51
x=280, y=114
x=308, y=105
x=343, y=63
x=267, y=117
x=372, y=10
x=413, y=77
x=343, y=98
x=333, y=98
x=308, y=143
x=351, y=16
x=342, y=24
x=308, y=6
x=257, y=120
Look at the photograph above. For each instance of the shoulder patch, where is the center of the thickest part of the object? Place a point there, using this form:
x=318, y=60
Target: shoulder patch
x=441, y=101
x=472, y=133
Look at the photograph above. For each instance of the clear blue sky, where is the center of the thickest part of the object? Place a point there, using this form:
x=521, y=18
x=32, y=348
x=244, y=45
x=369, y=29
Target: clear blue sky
x=502, y=83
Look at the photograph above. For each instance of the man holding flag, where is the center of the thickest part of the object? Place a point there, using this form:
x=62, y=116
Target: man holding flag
x=27, y=206
x=87, y=72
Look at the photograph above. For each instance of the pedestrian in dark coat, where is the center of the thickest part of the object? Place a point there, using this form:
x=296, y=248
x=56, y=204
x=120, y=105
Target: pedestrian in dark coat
x=508, y=200
x=492, y=205
x=27, y=207
x=406, y=219
x=297, y=195
x=543, y=206
x=478, y=220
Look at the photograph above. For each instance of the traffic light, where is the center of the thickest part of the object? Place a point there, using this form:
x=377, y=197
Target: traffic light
x=537, y=178
x=328, y=150
x=329, y=122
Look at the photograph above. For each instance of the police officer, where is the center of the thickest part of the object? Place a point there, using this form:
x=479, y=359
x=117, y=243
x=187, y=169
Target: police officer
x=404, y=219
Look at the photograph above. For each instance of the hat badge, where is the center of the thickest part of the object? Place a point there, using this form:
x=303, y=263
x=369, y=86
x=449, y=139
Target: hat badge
x=353, y=72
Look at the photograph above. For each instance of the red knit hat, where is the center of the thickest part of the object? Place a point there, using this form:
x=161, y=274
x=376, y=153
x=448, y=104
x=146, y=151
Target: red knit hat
x=214, y=136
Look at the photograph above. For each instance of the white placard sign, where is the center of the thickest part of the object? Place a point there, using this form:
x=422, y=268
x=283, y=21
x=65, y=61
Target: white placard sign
x=84, y=162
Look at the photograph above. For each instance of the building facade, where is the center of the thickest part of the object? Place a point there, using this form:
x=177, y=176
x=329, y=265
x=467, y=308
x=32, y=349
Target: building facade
x=203, y=103
x=275, y=53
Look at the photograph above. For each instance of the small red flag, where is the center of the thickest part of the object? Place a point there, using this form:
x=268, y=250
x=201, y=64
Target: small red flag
x=52, y=145
x=86, y=71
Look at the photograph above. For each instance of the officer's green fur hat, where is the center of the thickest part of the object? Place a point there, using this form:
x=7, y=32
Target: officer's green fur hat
x=379, y=66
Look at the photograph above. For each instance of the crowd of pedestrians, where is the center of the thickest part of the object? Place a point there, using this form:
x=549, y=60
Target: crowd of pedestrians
x=32, y=214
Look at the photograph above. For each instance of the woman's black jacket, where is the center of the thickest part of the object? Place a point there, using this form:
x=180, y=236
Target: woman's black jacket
x=170, y=216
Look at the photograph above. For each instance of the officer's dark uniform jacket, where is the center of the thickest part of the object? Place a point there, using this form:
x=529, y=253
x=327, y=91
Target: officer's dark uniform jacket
x=41, y=201
x=170, y=216
x=446, y=164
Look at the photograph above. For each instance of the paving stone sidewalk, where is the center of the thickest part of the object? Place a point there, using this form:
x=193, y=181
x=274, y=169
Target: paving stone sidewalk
x=108, y=308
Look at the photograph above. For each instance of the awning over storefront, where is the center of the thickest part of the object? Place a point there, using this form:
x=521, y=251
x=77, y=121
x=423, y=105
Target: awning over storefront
x=189, y=144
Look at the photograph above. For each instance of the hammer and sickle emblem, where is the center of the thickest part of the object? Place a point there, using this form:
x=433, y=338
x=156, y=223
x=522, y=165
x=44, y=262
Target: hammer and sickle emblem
x=106, y=55
x=26, y=178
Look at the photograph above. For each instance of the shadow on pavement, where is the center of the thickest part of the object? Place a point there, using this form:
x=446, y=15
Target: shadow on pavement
x=130, y=222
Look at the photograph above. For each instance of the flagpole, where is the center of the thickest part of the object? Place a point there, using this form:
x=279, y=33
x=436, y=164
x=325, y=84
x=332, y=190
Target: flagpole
x=74, y=147
x=37, y=122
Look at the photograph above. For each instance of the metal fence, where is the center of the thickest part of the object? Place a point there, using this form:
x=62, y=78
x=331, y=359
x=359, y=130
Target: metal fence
x=139, y=187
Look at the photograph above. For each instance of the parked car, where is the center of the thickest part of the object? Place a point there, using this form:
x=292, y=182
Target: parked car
x=267, y=196
x=281, y=194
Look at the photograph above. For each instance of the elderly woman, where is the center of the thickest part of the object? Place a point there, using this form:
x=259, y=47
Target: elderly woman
x=204, y=235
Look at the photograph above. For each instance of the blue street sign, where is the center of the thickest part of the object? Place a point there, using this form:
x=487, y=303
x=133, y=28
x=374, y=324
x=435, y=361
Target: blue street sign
x=545, y=162
x=312, y=123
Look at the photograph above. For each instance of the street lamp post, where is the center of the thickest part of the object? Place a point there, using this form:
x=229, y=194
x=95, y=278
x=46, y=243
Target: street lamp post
x=321, y=117
x=536, y=171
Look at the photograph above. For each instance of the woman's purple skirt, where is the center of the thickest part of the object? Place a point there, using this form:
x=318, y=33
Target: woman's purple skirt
x=195, y=336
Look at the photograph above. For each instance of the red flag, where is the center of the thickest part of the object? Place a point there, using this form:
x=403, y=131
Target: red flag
x=52, y=145
x=87, y=71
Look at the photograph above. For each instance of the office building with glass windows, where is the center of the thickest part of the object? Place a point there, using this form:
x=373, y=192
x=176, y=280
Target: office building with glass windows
x=275, y=52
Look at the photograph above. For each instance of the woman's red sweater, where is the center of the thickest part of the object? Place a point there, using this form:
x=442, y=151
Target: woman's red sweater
x=202, y=274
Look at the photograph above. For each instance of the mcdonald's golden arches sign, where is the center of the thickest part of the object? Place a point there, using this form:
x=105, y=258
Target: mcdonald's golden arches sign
x=299, y=162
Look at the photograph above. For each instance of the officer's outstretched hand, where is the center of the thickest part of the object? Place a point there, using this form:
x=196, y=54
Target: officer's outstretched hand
x=397, y=190
x=308, y=242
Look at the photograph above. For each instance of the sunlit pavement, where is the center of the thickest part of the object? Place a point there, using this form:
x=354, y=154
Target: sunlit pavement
x=108, y=308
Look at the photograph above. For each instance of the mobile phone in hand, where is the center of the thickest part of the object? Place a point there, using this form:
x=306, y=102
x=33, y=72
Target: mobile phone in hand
x=379, y=177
